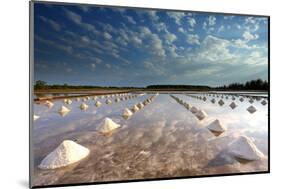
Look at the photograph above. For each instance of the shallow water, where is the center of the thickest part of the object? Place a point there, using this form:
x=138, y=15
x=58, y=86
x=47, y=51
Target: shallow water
x=163, y=139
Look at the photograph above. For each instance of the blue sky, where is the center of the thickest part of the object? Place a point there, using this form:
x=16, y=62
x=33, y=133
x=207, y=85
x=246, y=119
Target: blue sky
x=89, y=45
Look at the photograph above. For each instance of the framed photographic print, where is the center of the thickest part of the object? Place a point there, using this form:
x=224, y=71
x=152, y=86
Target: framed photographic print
x=121, y=94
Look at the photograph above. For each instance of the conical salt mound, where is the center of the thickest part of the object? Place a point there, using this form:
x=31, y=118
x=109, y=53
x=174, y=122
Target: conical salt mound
x=244, y=148
x=66, y=153
x=221, y=102
x=49, y=104
x=107, y=126
x=241, y=99
x=127, y=113
x=251, y=101
x=35, y=117
x=251, y=109
x=233, y=105
x=233, y=98
x=68, y=101
x=84, y=106
x=135, y=108
x=187, y=106
x=216, y=126
x=204, y=98
x=193, y=109
x=263, y=102
x=63, y=109
x=98, y=104
x=117, y=100
x=140, y=105
x=213, y=100
x=77, y=99
x=201, y=114
x=108, y=101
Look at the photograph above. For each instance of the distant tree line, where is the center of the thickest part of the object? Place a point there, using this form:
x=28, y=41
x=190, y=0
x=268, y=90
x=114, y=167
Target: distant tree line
x=257, y=84
x=42, y=85
x=179, y=87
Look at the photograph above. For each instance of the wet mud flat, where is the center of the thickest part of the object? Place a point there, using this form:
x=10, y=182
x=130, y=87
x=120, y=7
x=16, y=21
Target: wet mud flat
x=161, y=140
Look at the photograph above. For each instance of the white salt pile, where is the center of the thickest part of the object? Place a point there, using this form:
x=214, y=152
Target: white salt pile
x=68, y=152
x=233, y=98
x=140, y=105
x=187, y=106
x=107, y=126
x=233, y=105
x=77, y=99
x=135, y=108
x=127, y=113
x=63, y=109
x=201, y=115
x=251, y=100
x=244, y=148
x=221, y=102
x=49, y=104
x=213, y=100
x=241, y=99
x=216, y=126
x=108, y=101
x=204, y=98
x=98, y=103
x=251, y=109
x=84, y=106
x=35, y=117
x=68, y=101
x=117, y=99
x=263, y=102
x=193, y=109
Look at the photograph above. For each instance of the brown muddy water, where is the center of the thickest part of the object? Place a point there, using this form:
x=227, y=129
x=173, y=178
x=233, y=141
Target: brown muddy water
x=163, y=139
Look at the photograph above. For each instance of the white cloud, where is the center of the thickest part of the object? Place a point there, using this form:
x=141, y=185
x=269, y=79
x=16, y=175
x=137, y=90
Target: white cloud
x=248, y=36
x=93, y=66
x=170, y=37
x=65, y=48
x=97, y=60
x=181, y=30
x=84, y=8
x=51, y=22
x=73, y=16
x=107, y=35
x=155, y=43
x=221, y=28
x=212, y=20
x=153, y=69
x=85, y=39
x=191, y=21
x=228, y=17
x=108, y=66
x=136, y=40
x=214, y=49
x=157, y=47
x=160, y=26
x=193, y=39
x=153, y=15
x=77, y=19
x=130, y=20
x=177, y=16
